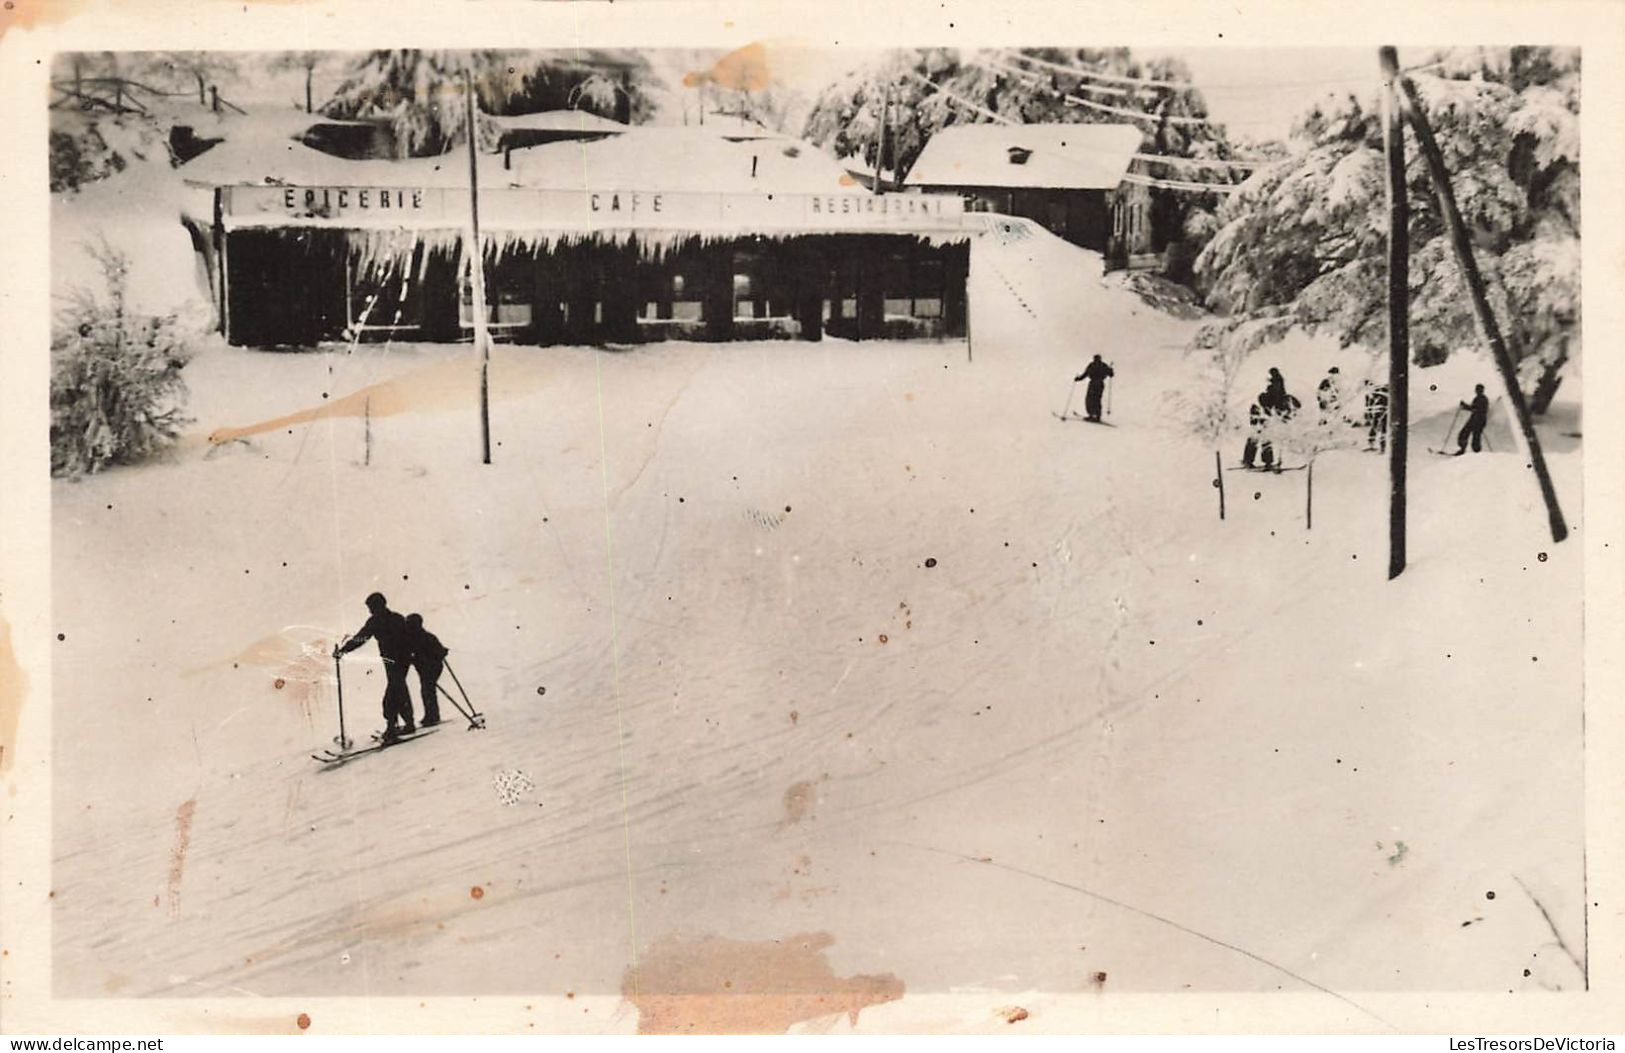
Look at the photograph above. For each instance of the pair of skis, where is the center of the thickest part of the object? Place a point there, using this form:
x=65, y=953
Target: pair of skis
x=347, y=751
x=1082, y=419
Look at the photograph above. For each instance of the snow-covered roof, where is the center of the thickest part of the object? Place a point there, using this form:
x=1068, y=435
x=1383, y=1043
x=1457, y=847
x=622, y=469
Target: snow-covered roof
x=1062, y=156
x=556, y=121
x=642, y=157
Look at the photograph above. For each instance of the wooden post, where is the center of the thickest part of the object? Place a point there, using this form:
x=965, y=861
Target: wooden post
x=880, y=147
x=222, y=198
x=1399, y=353
x=214, y=97
x=1309, y=496
x=1218, y=480
x=366, y=418
x=476, y=266
x=1410, y=101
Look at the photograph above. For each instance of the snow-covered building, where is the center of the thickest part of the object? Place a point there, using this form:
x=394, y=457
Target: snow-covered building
x=1069, y=177
x=641, y=233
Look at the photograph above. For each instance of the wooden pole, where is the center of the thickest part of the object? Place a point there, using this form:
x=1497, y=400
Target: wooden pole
x=476, y=266
x=1410, y=101
x=366, y=412
x=1218, y=480
x=1399, y=353
x=1309, y=496
x=880, y=149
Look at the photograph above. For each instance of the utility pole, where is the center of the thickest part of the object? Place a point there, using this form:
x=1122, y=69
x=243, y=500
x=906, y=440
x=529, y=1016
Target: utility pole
x=880, y=149
x=1408, y=99
x=476, y=266
x=1399, y=349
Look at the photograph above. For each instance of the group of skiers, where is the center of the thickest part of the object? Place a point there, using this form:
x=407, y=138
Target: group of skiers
x=403, y=643
x=1275, y=402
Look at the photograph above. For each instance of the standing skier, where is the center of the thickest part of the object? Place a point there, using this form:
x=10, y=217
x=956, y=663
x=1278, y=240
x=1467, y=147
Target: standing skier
x=1376, y=417
x=1256, y=416
x=1329, y=396
x=395, y=648
x=1095, y=373
x=429, y=659
x=1478, y=413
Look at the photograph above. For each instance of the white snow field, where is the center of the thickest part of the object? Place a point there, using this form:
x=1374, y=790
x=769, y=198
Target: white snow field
x=836, y=649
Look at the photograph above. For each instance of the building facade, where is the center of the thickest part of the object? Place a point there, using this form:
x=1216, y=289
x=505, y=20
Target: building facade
x=295, y=266
x=1067, y=177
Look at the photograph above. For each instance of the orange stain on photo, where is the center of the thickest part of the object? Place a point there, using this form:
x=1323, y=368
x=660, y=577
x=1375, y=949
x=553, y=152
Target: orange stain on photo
x=746, y=69
x=13, y=688
x=717, y=986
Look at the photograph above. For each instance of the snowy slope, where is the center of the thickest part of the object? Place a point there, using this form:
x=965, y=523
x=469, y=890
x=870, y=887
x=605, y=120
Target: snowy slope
x=851, y=639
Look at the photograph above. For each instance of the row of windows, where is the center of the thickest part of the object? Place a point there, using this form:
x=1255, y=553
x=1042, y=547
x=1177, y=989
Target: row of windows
x=511, y=299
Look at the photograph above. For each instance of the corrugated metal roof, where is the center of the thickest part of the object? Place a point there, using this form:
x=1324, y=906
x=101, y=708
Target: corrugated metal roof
x=1060, y=156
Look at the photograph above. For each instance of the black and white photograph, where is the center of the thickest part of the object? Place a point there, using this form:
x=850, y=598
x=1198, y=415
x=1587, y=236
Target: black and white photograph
x=788, y=532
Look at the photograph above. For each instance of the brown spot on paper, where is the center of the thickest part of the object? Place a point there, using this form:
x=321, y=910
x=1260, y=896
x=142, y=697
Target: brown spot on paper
x=303, y=1021
x=714, y=985
x=1012, y=1014
x=13, y=688
x=798, y=801
x=27, y=14
x=177, y=856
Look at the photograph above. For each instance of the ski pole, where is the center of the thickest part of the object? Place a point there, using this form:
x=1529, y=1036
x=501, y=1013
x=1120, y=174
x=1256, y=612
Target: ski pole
x=1108, y=394
x=476, y=715
x=1444, y=443
x=449, y=697
x=343, y=740
x=1073, y=390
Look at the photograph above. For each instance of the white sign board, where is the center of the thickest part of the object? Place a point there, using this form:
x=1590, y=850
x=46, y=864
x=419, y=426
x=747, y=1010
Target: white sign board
x=508, y=208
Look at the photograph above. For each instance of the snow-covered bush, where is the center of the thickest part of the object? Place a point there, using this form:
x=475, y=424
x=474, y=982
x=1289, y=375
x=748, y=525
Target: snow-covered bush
x=117, y=394
x=77, y=159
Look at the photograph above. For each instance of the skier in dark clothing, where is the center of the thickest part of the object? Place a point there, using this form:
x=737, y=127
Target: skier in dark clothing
x=395, y=648
x=1376, y=417
x=1275, y=399
x=429, y=659
x=1096, y=373
x=1478, y=414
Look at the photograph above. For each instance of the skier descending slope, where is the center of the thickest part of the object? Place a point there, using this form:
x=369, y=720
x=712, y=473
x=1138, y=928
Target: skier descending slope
x=395, y=648
x=1096, y=372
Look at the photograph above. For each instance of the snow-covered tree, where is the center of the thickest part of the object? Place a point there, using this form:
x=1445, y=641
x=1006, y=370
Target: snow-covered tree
x=921, y=83
x=117, y=394
x=306, y=62
x=421, y=92
x=200, y=69
x=1304, y=243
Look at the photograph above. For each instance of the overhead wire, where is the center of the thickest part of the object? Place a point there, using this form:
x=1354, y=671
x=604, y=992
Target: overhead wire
x=1186, y=185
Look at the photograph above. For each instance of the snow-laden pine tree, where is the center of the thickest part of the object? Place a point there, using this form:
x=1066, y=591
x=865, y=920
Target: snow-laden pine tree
x=117, y=394
x=1304, y=242
x=421, y=92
